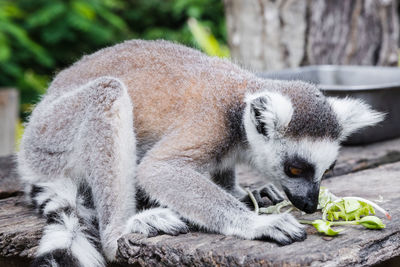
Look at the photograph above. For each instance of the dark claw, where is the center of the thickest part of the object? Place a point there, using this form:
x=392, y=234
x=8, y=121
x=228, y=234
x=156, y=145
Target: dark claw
x=153, y=232
x=262, y=202
x=178, y=231
x=184, y=230
x=272, y=193
x=283, y=242
x=303, y=237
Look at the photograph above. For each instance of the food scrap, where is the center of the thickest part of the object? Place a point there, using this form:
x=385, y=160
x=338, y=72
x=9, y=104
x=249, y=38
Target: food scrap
x=335, y=212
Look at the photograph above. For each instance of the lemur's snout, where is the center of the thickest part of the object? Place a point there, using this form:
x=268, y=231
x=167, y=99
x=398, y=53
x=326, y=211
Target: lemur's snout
x=304, y=196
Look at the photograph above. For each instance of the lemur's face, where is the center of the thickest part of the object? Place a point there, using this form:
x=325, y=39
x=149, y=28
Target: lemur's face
x=294, y=145
x=300, y=166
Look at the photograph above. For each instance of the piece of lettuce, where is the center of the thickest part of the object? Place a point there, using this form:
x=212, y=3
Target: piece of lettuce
x=324, y=227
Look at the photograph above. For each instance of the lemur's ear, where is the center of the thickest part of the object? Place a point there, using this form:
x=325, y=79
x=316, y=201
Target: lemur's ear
x=354, y=114
x=270, y=112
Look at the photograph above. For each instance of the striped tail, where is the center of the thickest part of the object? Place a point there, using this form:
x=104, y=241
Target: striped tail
x=71, y=236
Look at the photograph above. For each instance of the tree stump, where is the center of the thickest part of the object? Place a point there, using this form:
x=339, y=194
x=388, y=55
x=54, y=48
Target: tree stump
x=277, y=34
x=8, y=119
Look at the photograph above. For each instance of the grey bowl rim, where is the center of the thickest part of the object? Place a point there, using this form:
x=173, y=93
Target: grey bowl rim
x=343, y=88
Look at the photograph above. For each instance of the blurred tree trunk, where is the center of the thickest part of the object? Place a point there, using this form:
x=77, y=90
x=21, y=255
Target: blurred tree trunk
x=276, y=34
x=8, y=120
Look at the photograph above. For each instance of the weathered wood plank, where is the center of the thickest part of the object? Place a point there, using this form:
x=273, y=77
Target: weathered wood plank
x=20, y=228
x=9, y=184
x=356, y=247
x=356, y=158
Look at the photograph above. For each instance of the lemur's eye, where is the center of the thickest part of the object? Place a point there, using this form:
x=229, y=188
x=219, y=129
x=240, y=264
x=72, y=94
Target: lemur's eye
x=297, y=167
x=330, y=168
x=295, y=171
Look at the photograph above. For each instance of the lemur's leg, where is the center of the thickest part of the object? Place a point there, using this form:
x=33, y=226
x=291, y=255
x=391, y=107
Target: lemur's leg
x=87, y=134
x=84, y=135
x=107, y=147
x=227, y=180
x=174, y=181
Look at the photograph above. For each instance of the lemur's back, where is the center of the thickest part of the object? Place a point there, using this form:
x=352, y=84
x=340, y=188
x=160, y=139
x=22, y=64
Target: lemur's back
x=169, y=84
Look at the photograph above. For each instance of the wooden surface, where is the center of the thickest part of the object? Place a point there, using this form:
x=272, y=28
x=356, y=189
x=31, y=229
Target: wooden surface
x=20, y=227
x=356, y=246
x=8, y=119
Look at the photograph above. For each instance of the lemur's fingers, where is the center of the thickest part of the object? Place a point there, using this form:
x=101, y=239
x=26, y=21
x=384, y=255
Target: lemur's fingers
x=156, y=221
x=272, y=193
x=267, y=196
x=284, y=229
x=262, y=202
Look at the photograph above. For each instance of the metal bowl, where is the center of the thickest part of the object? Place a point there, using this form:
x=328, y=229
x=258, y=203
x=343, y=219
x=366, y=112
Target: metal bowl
x=377, y=86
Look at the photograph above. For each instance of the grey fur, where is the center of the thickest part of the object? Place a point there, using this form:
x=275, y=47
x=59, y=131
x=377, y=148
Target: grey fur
x=227, y=180
x=312, y=116
x=179, y=142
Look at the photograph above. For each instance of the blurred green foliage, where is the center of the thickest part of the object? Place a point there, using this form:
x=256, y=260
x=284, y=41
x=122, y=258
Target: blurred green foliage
x=206, y=40
x=40, y=37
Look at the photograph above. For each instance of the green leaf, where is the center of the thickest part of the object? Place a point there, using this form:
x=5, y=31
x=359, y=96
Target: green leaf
x=11, y=10
x=37, y=82
x=351, y=205
x=324, y=197
x=372, y=222
x=275, y=209
x=114, y=20
x=348, y=210
x=5, y=49
x=19, y=131
x=84, y=9
x=47, y=14
x=207, y=42
x=324, y=227
x=22, y=37
x=336, y=215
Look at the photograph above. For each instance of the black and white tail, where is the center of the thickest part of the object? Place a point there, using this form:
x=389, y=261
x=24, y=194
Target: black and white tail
x=71, y=236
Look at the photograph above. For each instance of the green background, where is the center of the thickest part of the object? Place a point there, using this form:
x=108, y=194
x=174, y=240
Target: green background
x=38, y=38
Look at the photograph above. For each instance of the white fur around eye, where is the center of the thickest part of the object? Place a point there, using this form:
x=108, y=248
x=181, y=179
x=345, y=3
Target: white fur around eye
x=321, y=152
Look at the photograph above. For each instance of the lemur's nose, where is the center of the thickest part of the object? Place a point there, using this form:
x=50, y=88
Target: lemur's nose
x=310, y=206
x=306, y=199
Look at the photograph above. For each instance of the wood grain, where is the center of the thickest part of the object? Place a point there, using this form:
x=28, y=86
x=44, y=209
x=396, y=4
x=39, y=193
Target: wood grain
x=21, y=228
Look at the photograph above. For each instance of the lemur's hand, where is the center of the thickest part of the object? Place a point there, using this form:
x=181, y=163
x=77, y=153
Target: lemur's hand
x=265, y=197
x=281, y=228
x=272, y=193
x=262, y=202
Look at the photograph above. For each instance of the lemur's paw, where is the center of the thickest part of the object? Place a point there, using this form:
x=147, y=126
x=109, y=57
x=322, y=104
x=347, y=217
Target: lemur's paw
x=270, y=191
x=262, y=202
x=284, y=229
x=156, y=221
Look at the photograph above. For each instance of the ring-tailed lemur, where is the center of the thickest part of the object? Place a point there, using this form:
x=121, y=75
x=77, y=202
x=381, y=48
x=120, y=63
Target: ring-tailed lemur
x=172, y=122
